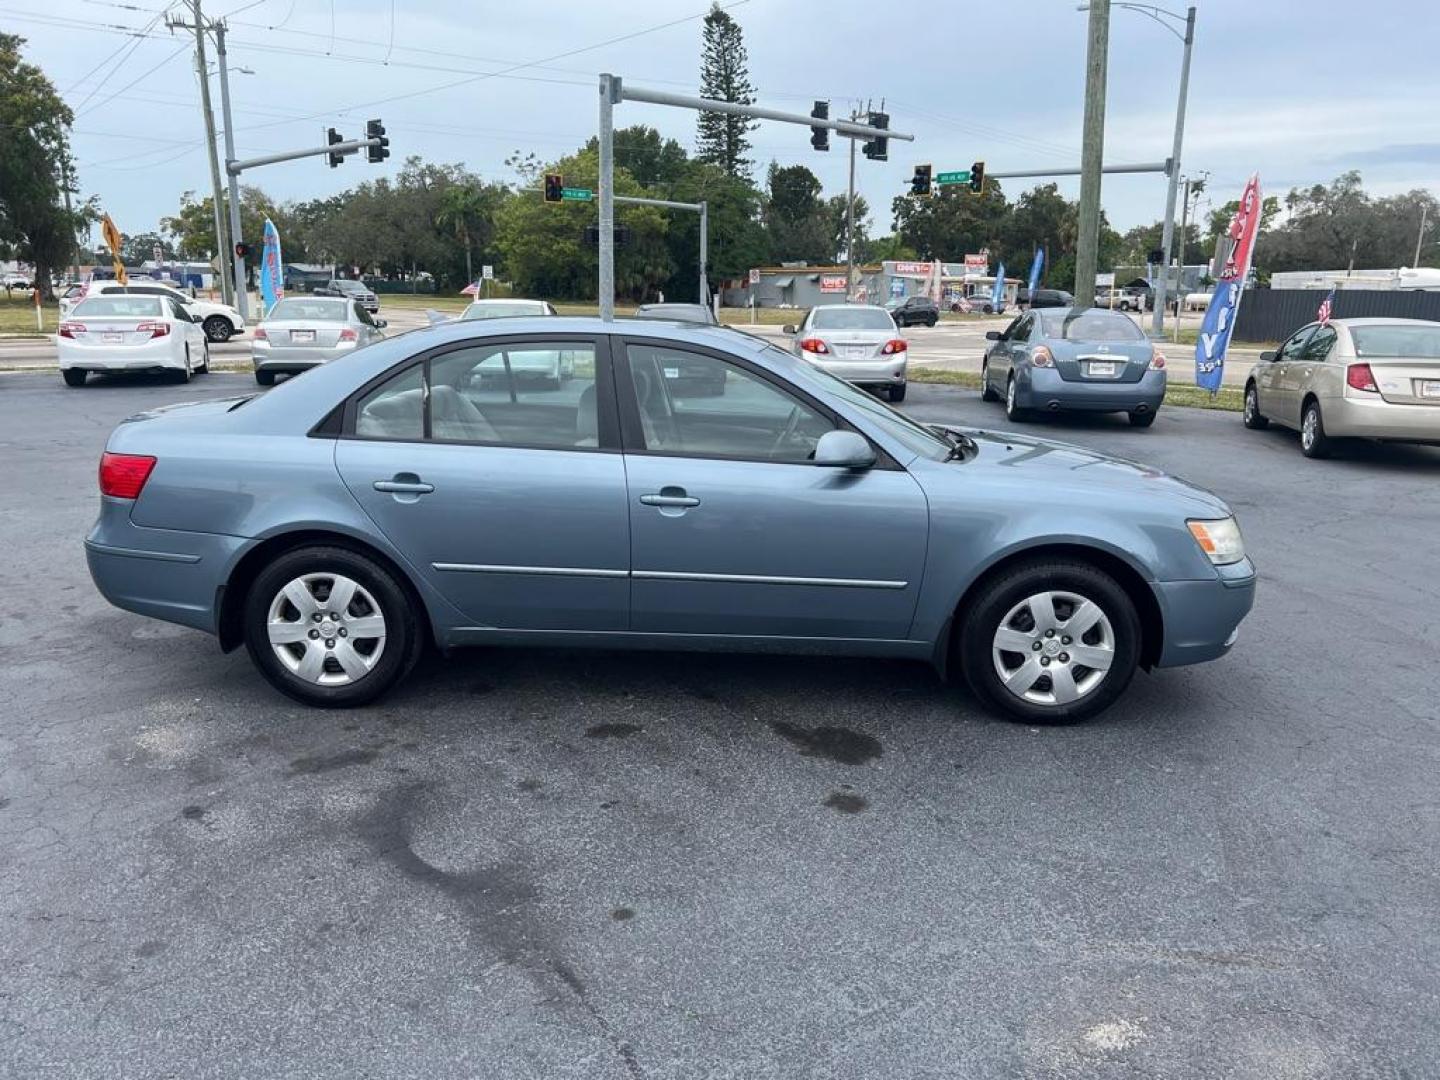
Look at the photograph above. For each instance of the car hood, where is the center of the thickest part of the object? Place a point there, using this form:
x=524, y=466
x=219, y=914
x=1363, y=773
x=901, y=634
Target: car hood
x=1058, y=471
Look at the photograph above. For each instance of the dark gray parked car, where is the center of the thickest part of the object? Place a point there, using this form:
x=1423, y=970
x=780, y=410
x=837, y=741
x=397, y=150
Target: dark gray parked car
x=1082, y=359
x=417, y=491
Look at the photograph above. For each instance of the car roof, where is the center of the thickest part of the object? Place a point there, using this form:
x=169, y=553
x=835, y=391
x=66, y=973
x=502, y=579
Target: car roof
x=1381, y=320
x=505, y=300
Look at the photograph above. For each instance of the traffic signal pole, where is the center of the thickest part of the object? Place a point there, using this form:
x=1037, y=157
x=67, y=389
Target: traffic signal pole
x=613, y=92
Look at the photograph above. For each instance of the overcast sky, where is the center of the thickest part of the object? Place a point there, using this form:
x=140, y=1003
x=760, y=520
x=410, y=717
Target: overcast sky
x=1298, y=91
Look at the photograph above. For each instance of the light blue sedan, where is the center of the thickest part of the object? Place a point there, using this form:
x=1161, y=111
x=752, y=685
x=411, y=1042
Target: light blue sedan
x=419, y=492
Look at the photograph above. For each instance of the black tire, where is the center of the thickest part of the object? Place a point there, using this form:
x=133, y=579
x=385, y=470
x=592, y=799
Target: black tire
x=74, y=376
x=931, y=322
x=987, y=392
x=897, y=393
x=1252, y=416
x=217, y=328
x=1314, y=443
x=182, y=375
x=989, y=309
x=1013, y=412
x=265, y=378
x=1143, y=419
x=205, y=364
x=404, y=636
x=1000, y=595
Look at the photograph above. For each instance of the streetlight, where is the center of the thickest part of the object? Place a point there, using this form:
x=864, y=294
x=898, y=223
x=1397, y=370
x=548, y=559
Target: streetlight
x=1160, y=15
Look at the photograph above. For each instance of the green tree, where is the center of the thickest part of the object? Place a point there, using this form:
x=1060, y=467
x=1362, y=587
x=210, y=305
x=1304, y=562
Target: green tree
x=834, y=209
x=796, y=218
x=724, y=76
x=192, y=229
x=954, y=222
x=141, y=246
x=469, y=209
x=34, y=167
x=737, y=239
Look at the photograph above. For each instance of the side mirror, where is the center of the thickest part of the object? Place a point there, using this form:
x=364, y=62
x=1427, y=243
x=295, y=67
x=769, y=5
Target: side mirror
x=844, y=450
x=789, y=328
x=1267, y=356
x=992, y=335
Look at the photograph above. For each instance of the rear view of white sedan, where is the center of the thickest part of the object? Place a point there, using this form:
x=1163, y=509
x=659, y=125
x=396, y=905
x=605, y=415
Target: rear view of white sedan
x=130, y=333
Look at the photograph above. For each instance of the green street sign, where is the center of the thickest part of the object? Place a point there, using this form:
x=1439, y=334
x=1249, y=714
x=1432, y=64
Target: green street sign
x=584, y=194
x=961, y=177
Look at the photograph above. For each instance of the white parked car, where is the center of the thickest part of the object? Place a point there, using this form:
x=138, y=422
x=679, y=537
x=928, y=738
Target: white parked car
x=1197, y=301
x=221, y=322
x=17, y=281
x=130, y=333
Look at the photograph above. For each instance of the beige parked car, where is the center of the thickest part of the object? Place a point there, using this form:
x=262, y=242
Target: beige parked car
x=1361, y=378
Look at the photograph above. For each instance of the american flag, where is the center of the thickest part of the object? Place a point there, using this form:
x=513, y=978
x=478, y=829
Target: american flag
x=1326, y=307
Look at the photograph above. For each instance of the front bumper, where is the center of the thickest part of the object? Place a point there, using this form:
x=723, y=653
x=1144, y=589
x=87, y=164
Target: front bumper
x=1202, y=618
x=1043, y=388
x=1372, y=417
x=162, y=573
x=879, y=371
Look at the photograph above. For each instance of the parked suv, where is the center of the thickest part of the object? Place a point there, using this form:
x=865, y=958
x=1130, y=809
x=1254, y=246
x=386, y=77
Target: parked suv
x=220, y=322
x=351, y=290
x=913, y=311
x=1045, y=298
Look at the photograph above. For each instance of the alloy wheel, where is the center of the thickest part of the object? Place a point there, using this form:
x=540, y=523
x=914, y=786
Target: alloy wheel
x=1053, y=648
x=326, y=629
x=1307, y=429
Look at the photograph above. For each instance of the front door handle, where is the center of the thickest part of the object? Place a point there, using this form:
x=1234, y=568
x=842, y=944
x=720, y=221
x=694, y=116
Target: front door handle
x=404, y=484
x=669, y=500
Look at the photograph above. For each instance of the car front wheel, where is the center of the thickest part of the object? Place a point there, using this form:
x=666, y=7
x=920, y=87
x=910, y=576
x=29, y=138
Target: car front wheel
x=1252, y=417
x=1050, y=642
x=218, y=328
x=74, y=376
x=330, y=627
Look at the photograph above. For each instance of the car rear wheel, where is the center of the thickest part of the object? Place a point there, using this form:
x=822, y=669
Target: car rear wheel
x=1314, y=443
x=897, y=393
x=218, y=328
x=74, y=376
x=987, y=392
x=1051, y=642
x=1143, y=419
x=182, y=375
x=265, y=378
x=1013, y=412
x=1252, y=417
x=330, y=627
x=205, y=363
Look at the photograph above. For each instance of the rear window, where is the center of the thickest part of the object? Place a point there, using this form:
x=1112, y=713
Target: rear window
x=851, y=318
x=502, y=311
x=1408, y=342
x=309, y=311
x=120, y=306
x=1090, y=324
x=680, y=312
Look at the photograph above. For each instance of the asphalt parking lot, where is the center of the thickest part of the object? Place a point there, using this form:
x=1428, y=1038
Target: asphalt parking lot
x=568, y=864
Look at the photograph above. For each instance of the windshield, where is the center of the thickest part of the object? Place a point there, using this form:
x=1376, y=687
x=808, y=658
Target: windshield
x=914, y=437
x=1089, y=324
x=310, y=311
x=129, y=307
x=1397, y=340
x=851, y=318
x=502, y=311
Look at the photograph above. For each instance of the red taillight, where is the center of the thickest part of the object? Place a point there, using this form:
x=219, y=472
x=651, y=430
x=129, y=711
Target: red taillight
x=1360, y=377
x=123, y=475
x=1041, y=357
x=70, y=329
x=348, y=335
x=1157, y=361
x=893, y=346
x=815, y=345
x=154, y=329
x=259, y=334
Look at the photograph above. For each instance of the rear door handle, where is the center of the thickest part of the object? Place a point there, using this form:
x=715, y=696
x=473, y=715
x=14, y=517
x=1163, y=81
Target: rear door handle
x=669, y=500
x=404, y=487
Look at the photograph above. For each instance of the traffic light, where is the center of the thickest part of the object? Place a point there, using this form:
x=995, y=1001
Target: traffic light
x=554, y=187
x=878, y=148
x=331, y=138
x=977, y=177
x=242, y=249
x=819, y=136
x=374, y=129
x=920, y=182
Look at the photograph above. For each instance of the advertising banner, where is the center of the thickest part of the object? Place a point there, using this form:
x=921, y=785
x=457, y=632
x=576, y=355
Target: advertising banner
x=272, y=268
x=1219, y=319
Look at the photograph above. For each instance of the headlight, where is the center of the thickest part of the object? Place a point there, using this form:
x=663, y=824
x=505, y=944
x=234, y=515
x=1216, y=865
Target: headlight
x=1220, y=540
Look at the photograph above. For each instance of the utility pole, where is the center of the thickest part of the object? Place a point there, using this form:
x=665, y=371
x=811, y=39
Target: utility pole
x=242, y=292
x=850, y=220
x=1092, y=153
x=1157, y=324
x=75, y=243
x=1180, y=269
x=1419, y=237
x=609, y=95
x=222, y=242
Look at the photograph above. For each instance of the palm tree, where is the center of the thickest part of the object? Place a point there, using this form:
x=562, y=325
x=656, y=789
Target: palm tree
x=460, y=206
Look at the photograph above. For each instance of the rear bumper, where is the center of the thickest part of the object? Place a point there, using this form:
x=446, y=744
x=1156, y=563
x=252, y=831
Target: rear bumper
x=162, y=573
x=1372, y=417
x=153, y=356
x=296, y=358
x=881, y=371
x=1043, y=388
x=1202, y=618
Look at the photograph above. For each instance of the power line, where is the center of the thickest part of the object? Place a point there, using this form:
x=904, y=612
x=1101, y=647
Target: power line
x=139, y=78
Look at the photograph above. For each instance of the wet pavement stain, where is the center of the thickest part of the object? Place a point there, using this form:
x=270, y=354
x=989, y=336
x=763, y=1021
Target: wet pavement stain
x=622, y=914
x=832, y=743
x=193, y=813
x=530, y=784
x=148, y=949
x=318, y=763
x=612, y=731
x=842, y=803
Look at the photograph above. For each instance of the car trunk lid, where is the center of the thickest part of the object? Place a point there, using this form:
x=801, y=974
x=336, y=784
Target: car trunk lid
x=115, y=329
x=1101, y=362
x=1406, y=380
x=855, y=344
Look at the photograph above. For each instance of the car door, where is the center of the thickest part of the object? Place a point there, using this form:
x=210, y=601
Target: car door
x=1307, y=371
x=185, y=327
x=1285, y=395
x=734, y=531
x=1017, y=339
x=506, y=495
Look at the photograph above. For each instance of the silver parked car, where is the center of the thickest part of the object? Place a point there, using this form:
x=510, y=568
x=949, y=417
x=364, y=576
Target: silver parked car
x=1083, y=359
x=1373, y=378
x=304, y=331
x=857, y=342
x=506, y=309
x=418, y=490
